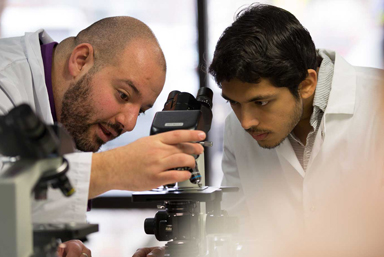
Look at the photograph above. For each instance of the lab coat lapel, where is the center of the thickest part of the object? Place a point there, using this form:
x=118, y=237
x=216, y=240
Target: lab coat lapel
x=319, y=140
x=286, y=154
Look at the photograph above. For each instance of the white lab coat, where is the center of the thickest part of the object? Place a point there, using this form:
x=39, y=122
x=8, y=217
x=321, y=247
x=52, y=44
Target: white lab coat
x=22, y=81
x=338, y=202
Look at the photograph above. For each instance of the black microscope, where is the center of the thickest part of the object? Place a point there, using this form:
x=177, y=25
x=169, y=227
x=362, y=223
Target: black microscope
x=189, y=210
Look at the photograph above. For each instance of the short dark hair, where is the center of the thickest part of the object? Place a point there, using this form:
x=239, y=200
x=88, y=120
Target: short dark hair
x=264, y=42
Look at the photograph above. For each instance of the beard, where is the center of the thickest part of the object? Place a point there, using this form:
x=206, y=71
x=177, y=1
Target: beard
x=77, y=112
x=294, y=119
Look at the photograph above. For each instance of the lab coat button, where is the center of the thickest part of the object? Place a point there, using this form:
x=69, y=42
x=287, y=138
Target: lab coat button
x=313, y=208
x=322, y=134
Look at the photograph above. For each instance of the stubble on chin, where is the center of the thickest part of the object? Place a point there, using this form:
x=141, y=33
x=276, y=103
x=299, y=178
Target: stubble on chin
x=76, y=115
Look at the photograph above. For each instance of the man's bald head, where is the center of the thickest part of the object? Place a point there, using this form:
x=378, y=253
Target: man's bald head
x=110, y=36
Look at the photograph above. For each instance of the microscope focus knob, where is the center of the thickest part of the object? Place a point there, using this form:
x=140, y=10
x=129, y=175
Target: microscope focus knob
x=149, y=226
x=159, y=226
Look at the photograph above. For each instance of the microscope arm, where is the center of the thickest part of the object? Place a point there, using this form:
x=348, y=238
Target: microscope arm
x=16, y=186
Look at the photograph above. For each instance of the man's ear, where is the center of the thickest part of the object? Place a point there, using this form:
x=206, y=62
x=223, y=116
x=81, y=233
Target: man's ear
x=81, y=59
x=308, y=86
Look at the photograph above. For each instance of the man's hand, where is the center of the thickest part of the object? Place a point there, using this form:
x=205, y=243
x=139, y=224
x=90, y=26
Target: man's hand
x=73, y=248
x=146, y=163
x=150, y=252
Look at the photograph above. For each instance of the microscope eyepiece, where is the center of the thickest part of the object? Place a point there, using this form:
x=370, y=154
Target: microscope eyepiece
x=24, y=134
x=170, y=103
x=204, y=95
x=26, y=121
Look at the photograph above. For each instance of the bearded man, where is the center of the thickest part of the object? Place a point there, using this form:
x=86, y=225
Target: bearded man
x=96, y=84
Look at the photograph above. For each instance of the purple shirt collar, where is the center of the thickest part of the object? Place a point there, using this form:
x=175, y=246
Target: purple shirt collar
x=47, y=53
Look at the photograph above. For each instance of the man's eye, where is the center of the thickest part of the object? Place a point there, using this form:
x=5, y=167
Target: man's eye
x=123, y=96
x=262, y=103
x=231, y=102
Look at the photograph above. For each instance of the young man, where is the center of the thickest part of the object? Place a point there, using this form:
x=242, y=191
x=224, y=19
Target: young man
x=305, y=141
x=96, y=84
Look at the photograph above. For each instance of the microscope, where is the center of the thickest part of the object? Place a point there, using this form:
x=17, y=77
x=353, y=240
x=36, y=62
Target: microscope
x=32, y=155
x=189, y=211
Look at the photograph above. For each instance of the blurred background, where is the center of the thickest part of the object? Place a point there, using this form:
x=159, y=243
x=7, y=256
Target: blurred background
x=188, y=31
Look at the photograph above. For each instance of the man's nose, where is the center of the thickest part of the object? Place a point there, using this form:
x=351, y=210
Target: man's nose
x=128, y=118
x=248, y=119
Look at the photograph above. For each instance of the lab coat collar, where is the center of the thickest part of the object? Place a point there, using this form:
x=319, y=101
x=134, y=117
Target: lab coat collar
x=41, y=34
x=285, y=151
x=343, y=90
x=341, y=101
x=33, y=53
